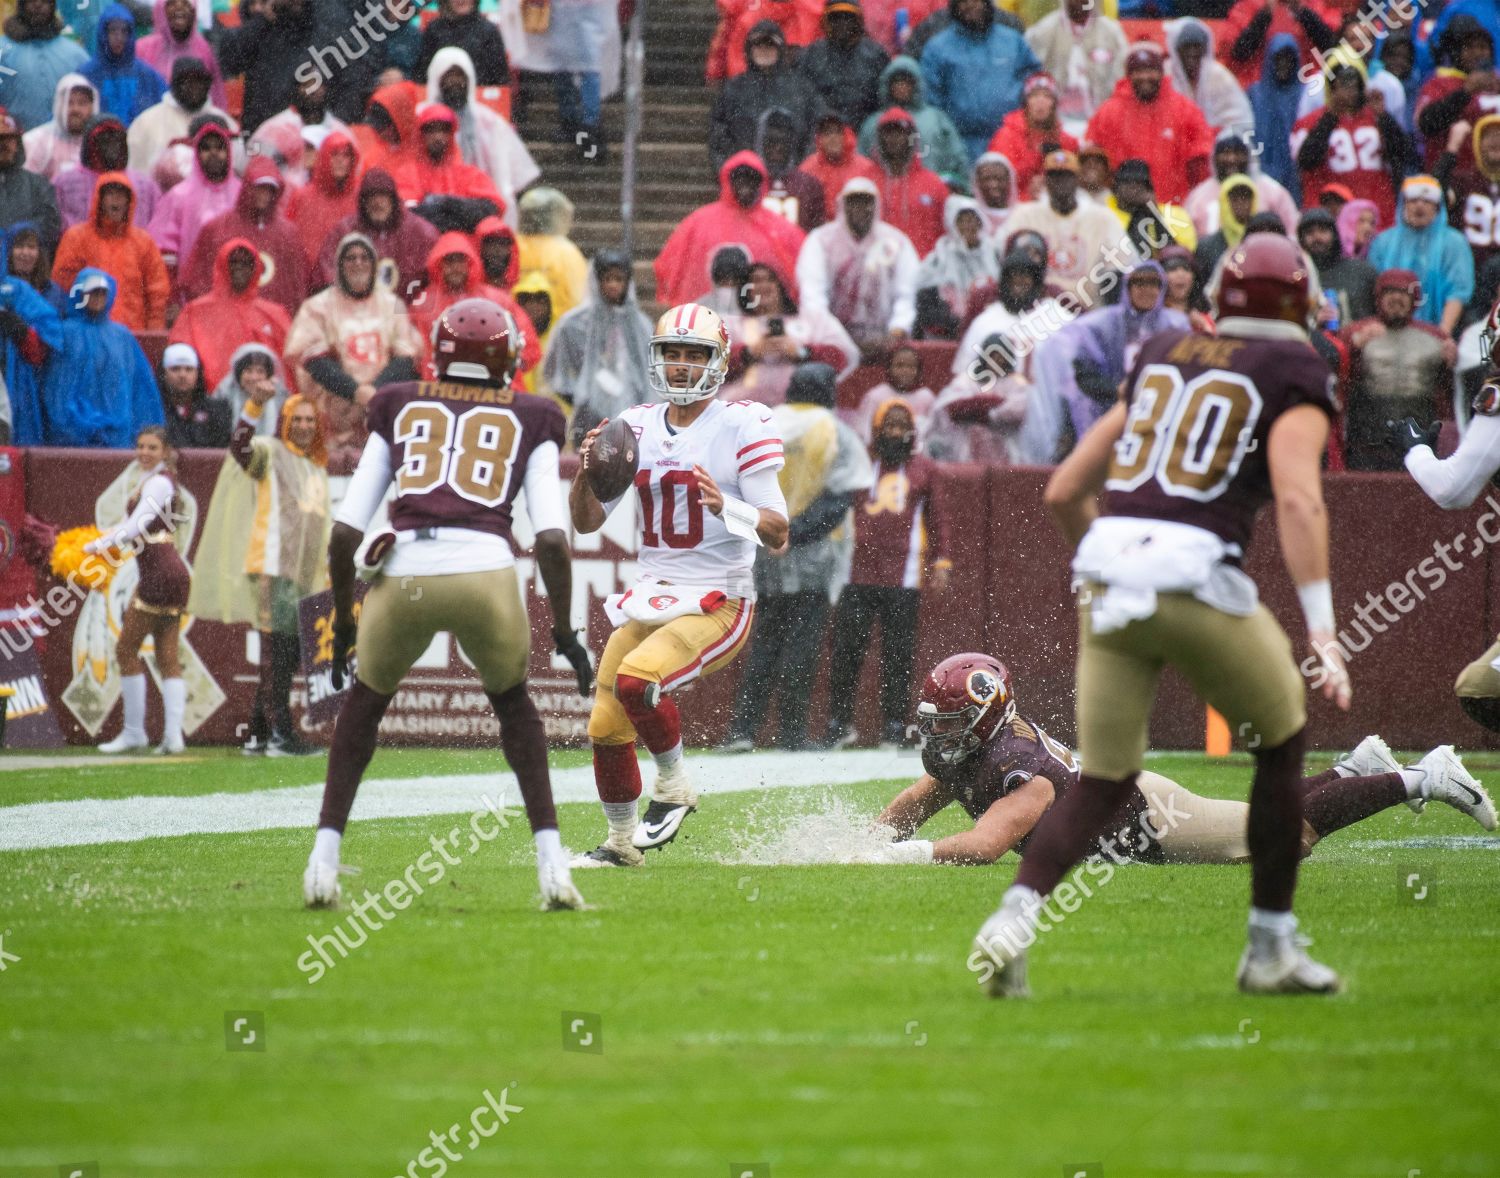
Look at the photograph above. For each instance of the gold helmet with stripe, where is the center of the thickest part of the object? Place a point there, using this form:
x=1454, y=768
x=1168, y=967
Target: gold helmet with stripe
x=698, y=327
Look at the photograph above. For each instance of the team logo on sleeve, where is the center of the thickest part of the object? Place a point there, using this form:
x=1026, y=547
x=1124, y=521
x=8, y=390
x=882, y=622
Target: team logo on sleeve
x=662, y=601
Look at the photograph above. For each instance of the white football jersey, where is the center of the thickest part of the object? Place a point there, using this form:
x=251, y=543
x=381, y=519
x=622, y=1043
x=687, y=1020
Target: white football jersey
x=681, y=540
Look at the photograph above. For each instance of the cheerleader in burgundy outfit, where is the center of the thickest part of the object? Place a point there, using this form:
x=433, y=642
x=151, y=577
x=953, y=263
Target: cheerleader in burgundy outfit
x=160, y=596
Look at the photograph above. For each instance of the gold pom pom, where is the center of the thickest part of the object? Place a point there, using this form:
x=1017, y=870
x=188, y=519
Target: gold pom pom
x=71, y=562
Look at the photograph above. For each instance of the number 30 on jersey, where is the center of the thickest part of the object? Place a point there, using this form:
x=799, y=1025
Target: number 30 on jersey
x=1191, y=437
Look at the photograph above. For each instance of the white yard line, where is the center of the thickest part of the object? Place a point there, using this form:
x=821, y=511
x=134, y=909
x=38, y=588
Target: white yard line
x=127, y=820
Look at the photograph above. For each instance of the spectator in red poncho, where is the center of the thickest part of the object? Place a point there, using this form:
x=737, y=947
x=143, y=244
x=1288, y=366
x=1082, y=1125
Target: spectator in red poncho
x=454, y=273
x=257, y=217
x=911, y=196
x=1252, y=23
x=1146, y=119
x=836, y=160
x=438, y=169
x=736, y=218
x=800, y=22
x=1032, y=131
x=232, y=313
x=388, y=137
x=329, y=196
x=401, y=238
x=500, y=257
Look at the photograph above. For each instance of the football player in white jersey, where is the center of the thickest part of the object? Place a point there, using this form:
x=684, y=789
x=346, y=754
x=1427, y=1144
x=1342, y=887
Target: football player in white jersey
x=1455, y=482
x=708, y=495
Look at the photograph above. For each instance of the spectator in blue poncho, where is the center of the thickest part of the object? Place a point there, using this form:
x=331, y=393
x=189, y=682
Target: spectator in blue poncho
x=127, y=86
x=98, y=390
x=30, y=329
x=1423, y=242
x=1274, y=100
x=1093, y=353
x=36, y=56
x=974, y=70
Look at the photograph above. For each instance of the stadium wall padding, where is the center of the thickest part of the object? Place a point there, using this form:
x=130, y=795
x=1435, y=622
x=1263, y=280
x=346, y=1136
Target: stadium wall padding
x=1010, y=596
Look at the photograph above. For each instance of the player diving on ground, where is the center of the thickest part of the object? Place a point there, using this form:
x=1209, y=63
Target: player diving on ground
x=1005, y=772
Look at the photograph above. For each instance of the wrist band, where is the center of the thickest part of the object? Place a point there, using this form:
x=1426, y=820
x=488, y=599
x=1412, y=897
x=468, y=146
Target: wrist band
x=740, y=518
x=1317, y=606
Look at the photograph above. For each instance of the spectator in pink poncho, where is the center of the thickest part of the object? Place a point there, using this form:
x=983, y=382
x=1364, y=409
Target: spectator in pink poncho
x=177, y=35
x=210, y=190
x=1358, y=223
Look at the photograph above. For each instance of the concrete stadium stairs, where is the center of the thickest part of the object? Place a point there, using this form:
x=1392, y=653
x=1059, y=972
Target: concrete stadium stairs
x=673, y=174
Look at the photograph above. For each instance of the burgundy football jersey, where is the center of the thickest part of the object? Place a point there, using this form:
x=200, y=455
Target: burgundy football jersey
x=1012, y=757
x=1476, y=213
x=460, y=451
x=1201, y=409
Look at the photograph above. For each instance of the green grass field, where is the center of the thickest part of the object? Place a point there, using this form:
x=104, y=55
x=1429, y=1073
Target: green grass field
x=786, y=1022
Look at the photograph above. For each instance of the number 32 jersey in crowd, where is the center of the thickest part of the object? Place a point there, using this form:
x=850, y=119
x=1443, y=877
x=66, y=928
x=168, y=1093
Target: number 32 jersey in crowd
x=682, y=542
x=459, y=454
x=1200, y=412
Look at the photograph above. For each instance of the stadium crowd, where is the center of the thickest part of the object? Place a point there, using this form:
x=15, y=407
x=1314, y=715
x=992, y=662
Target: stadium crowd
x=994, y=175
x=990, y=203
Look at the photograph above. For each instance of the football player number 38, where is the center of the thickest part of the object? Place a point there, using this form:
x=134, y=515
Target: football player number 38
x=1191, y=437
x=472, y=452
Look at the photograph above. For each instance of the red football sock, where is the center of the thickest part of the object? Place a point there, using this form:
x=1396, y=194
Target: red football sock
x=617, y=774
x=1070, y=830
x=1311, y=785
x=1275, y=825
x=1348, y=800
x=353, y=745
x=654, y=715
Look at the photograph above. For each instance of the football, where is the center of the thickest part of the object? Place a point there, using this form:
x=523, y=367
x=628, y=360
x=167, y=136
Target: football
x=612, y=461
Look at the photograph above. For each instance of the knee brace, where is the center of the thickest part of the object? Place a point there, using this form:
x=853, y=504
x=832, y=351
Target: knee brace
x=637, y=696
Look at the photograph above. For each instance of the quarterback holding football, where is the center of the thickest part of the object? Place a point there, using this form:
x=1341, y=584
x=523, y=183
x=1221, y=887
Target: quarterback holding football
x=705, y=484
x=1005, y=771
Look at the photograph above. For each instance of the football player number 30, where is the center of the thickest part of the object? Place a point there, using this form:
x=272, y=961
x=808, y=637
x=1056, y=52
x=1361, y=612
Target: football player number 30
x=1190, y=437
x=471, y=452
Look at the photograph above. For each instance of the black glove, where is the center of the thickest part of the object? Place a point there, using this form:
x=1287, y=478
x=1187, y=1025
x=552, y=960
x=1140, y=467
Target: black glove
x=343, y=643
x=574, y=651
x=1406, y=435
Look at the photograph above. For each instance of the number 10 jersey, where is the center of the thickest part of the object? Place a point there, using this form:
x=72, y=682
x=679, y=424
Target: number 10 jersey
x=682, y=542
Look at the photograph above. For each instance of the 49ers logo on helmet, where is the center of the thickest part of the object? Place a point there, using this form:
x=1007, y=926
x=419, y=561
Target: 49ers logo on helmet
x=983, y=687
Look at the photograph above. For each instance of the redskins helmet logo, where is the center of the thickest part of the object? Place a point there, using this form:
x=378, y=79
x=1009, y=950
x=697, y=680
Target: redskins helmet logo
x=983, y=687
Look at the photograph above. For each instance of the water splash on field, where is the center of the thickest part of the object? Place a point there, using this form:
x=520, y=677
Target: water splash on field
x=828, y=829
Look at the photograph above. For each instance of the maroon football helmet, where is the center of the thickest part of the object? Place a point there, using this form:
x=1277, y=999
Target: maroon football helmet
x=476, y=340
x=965, y=701
x=1266, y=277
